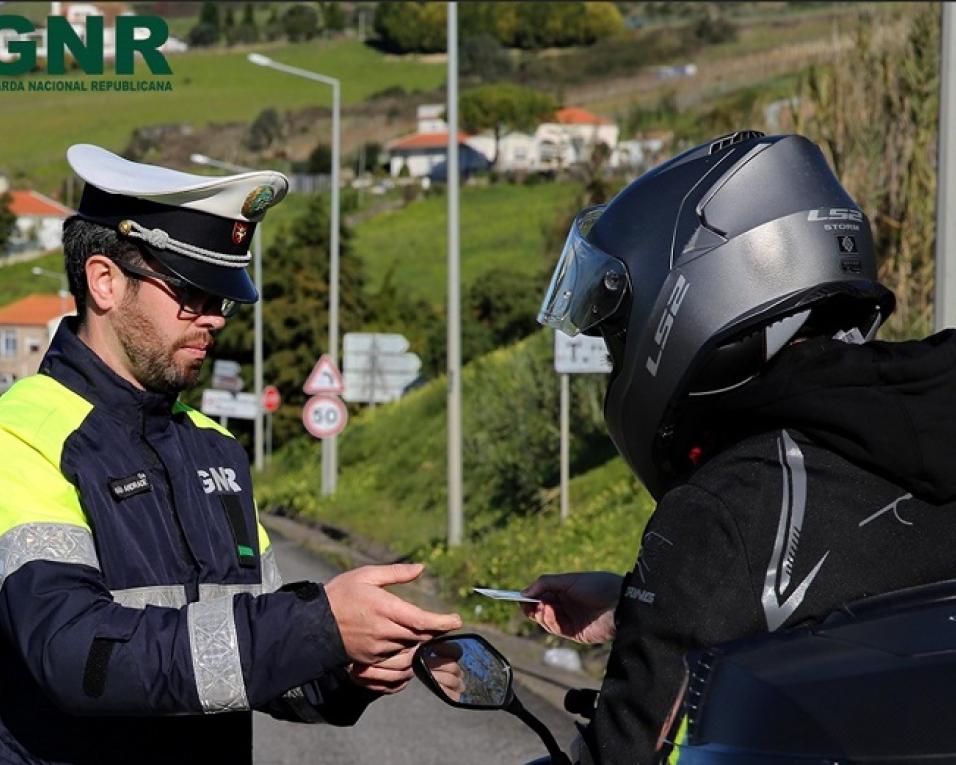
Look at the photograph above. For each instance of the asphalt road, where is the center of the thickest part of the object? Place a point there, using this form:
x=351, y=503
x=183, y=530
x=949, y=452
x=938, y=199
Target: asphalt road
x=410, y=728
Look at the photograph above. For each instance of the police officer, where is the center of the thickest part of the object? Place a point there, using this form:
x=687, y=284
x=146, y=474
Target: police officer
x=142, y=614
x=797, y=463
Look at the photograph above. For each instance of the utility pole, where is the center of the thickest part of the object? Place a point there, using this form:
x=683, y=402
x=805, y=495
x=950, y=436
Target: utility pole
x=945, y=297
x=454, y=293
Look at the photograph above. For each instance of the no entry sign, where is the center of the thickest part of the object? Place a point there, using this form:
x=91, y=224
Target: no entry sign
x=324, y=416
x=271, y=398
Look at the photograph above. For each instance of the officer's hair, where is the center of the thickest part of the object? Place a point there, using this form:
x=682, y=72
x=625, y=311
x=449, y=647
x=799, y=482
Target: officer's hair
x=83, y=239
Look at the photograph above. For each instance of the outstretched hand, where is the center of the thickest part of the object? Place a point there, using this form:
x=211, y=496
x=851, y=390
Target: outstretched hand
x=578, y=606
x=374, y=623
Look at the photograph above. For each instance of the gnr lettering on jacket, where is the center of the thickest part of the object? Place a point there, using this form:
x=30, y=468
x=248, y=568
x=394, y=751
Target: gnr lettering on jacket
x=221, y=479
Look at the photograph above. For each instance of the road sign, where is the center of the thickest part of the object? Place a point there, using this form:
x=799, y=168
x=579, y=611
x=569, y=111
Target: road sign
x=580, y=354
x=324, y=416
x=271, y=398
x=324, y=378
x=377, y=366
x=226, y=375
x=224, y=403
x=226, y=368
x=383, y=342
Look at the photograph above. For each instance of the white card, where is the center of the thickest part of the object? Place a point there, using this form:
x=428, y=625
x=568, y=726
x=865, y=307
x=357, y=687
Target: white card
x=506, y=595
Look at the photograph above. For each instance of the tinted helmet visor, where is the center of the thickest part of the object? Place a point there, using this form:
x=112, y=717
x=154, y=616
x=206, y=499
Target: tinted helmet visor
x=587, y=285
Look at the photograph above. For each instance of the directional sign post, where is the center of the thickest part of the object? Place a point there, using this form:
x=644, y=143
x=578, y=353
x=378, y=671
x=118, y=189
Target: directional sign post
x=580, y=354
x=378, y=367
x=224, y=403
x=324, y=384
x=227, y=375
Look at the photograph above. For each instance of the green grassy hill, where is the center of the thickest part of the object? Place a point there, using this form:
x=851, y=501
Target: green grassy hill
x=501, y=226
x=392, y=480
x=208, y=87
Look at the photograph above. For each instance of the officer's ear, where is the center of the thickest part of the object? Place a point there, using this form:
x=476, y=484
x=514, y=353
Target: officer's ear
x=105, y=283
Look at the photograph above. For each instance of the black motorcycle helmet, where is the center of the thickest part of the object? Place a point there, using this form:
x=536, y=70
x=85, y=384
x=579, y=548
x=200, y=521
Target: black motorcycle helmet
x=699, y=271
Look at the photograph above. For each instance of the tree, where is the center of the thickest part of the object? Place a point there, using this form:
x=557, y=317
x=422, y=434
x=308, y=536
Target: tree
x=504, y=107
x=320, y=160
x=209, y=14
x=333, y=18
x=247, y=31
x=407, y=27
x=295, y=293
x=8, y=220
x=207, y=31
x=264, y=130
x=202, y=36
x=483, y=58
x=301, y=22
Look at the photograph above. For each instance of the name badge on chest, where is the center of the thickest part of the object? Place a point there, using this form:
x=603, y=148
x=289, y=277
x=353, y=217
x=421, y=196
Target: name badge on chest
x=130, y=486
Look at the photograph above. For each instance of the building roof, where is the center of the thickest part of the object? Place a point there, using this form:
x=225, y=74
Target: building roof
x=572, y=115
x=425, y=141
x=34, y=310
x=34, y=203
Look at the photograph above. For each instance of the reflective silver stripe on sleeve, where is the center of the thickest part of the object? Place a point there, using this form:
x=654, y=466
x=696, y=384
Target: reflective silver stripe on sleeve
x=211, y=591
x=271, y=576
x=164, y=595
x=214, y=646
x=58, y=542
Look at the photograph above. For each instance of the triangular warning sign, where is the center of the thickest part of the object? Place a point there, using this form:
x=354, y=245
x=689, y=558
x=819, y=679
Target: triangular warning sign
x=325, y=378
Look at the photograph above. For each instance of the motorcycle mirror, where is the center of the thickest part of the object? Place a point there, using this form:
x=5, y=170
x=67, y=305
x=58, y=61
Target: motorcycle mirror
x=465, y=671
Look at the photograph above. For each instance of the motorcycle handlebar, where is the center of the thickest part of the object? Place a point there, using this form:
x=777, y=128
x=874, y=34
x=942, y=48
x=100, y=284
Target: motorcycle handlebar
x=581, y=701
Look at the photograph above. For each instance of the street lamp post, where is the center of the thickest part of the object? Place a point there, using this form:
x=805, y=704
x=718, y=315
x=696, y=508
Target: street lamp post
x=259, y=459
x=329, y=446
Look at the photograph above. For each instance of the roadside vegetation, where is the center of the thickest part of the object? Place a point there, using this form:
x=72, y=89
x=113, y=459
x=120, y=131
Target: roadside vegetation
x=859, y=79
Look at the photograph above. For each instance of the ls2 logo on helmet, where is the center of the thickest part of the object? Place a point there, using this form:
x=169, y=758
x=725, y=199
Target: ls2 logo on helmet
x=666, y=323
x=837, y=218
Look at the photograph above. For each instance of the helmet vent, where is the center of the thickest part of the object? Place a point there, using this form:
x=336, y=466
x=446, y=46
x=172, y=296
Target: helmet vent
x=731, y=139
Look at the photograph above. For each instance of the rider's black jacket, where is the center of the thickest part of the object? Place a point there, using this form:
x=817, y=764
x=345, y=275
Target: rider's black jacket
x=843, y=487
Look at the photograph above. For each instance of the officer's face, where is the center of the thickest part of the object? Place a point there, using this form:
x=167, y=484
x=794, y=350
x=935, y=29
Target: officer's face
x=164, y=346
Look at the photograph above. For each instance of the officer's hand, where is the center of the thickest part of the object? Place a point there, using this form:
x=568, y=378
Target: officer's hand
x=578, y=606
x=388, y=676
x=375, y=624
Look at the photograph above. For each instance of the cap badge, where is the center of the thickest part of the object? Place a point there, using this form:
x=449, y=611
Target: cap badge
x=239, y=232
x=258, y=201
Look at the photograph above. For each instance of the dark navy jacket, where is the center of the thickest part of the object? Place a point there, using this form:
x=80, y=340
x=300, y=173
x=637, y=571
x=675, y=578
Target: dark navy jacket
x=141, y=614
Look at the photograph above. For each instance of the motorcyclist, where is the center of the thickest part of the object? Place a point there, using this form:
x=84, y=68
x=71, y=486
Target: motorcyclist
x=797, y=463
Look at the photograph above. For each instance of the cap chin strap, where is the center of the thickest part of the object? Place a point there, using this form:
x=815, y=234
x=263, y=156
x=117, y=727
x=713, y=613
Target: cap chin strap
x=159, y=239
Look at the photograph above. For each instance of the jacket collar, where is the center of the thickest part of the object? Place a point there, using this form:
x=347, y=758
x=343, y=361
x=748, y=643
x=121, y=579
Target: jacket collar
x=71, y=362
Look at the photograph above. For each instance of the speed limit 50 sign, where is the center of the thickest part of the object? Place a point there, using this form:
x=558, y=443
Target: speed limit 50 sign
x=324, y=416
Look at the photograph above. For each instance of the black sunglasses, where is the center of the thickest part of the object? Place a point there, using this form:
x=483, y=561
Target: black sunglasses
x=192, y=300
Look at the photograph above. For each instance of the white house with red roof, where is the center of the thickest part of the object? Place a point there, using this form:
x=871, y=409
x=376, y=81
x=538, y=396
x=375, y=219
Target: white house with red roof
x=39, y=224
x=425, y=155
x=26, y=328
x=571, y=137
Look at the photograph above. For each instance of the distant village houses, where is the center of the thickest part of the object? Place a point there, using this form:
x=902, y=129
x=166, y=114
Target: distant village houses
x=569, y=138
x=26, y=328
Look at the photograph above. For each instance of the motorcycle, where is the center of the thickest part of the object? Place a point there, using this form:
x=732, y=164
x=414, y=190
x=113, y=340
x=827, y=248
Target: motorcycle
x=874, y=682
